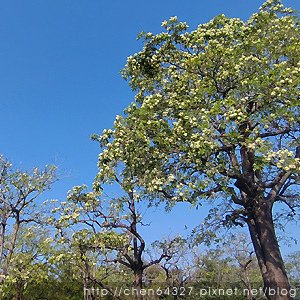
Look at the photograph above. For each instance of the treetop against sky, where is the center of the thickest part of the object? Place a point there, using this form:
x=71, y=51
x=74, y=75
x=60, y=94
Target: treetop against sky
x=61, y=79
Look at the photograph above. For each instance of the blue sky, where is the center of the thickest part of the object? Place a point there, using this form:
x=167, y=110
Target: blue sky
x=60, y=79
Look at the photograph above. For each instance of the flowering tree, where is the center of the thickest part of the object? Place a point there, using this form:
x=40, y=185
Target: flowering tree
x=110, y=228
x=19, y=192
x=29, y=265
x=216, y=117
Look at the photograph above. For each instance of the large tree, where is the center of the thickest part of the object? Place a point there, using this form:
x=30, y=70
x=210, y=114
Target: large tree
x=216, y=117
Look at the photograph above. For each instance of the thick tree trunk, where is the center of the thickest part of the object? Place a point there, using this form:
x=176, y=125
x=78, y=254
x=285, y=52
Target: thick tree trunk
x=138, y=283
x=261, y=227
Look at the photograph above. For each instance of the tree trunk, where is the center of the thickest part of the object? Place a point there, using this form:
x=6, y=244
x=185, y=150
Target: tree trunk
x=138, y=283
x=2, y=240
x=261, y=227
x=18, y=295
x=246, y=282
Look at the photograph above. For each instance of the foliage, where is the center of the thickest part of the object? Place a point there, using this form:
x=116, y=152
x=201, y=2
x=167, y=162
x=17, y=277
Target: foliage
x=207, y=102
x=216, y=118
x=293, y=266
x=24, y=242
x=106, y=236
x=19, y=194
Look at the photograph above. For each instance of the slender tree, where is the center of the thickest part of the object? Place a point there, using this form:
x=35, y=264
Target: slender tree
x=111, y=227
x=19, y=193
x=238, y=246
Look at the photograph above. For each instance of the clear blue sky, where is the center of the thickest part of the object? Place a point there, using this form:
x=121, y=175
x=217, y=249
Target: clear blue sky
x=60, y=80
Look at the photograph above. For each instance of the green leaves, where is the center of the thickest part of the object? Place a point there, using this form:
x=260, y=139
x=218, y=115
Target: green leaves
x=19, y=214
x=225, y=86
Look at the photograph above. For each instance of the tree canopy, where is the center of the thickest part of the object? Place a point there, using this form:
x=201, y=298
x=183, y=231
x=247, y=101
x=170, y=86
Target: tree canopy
x=215, y=120
x=205, y=100
x=216, y=117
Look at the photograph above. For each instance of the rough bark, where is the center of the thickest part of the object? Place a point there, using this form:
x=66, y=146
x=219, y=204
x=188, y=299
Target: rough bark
x=138, y=282
x=261, y=227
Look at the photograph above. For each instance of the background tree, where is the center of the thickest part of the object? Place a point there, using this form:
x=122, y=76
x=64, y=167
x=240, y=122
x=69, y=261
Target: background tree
x=293, y=269
x=29, y=265
x=216, y=117
x=179, y=270
x=214, y=269
x=239, y=248
x=19, y=192
x=111, y=228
